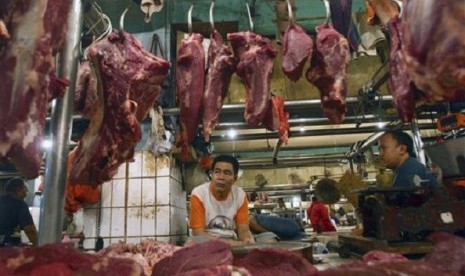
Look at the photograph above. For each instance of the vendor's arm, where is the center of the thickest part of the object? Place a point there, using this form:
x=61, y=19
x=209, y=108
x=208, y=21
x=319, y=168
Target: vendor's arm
x=26, y=223
x=242, y=221
x=31, y=233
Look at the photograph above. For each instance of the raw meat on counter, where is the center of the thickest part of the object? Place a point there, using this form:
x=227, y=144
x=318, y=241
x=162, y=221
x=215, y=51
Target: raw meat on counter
x=221, y=66
x=328, y=71
x=435, y=47
x=32, y=32
x=297, y=49
x=190, y=85
x=62, y=260
x=255, y=54
x=129, y=79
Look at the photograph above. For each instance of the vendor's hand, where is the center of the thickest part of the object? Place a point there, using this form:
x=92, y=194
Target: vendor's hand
x=248, y=240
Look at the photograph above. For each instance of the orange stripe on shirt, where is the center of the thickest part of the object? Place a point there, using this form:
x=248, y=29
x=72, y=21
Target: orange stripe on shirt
x=197, y=213
x=242, y=216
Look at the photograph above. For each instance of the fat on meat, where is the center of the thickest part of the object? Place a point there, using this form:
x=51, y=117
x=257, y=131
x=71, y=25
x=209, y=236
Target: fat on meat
x=129, y=80
x=435, y=48
x=32, y=32
x=401, y=85
x=328, y=71
x=297, y=49
x=85, y=94
x=190, y=85
x=255, y=54
x=221, y=66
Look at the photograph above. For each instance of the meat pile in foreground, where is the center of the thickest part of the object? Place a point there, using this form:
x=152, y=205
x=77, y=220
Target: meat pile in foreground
x=215, y=258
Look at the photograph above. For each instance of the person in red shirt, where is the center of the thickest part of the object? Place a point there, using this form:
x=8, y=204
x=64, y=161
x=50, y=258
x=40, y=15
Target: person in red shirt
x=318, y=216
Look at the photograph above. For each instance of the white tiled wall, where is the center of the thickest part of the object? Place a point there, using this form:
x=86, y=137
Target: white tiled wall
x=155, y=206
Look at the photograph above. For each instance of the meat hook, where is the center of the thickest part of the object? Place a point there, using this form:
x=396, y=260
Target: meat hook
x=249, y=14
x=189, y=19
x=400, y=4
x=328, y=11
x=121, y=19
x=212, y=22
x=290, y=14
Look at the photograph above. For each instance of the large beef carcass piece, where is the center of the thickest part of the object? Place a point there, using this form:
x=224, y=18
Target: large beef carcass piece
x=190, y=85
x=85, y=95
x=32, y=32
x=448, y=253
x=60, y=259
x=221, y=66
x=297, y=49
x=255, y=54
x=435, y=47
x=129, y=79
x=269, y=261
x=328, y=71
x=210, y=258
x=400, y=83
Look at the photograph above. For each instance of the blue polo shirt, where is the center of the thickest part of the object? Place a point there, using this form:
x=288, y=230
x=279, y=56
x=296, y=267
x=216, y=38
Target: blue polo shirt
x=13, y=213
x=412, y=171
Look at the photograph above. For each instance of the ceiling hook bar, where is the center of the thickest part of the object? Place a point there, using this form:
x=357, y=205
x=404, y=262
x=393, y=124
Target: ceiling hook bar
x=212, y=21
x=328, y=11
x=189, y=19
x=249, y=14
x=401, y=6
x=289, y=12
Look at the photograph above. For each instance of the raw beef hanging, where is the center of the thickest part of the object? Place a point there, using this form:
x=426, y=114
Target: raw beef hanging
x=255, y=54
x=328, y=71
x=190, y=85
x=435, y=47
x=221, y=66
x=341, y=18
x=129, y=79
x=400, y=83
x=32, y=33
x=297, y=49
x=85, y=95
x=277, y=118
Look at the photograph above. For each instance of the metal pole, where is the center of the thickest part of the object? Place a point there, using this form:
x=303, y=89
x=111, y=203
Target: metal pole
x=418, y=143
x=51, y=212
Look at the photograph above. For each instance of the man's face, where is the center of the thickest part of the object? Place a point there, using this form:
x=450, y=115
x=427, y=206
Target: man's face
x=22, y=192
x=223, y=177
x=391, y=153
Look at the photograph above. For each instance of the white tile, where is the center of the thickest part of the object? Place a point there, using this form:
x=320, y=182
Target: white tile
x=117, y=222
x=89, y=222
x=149, y=164
x=134, y=192
x=133, y=240
x=106, y=194
x=134, y=221
x=163, y=221
x=174, y=221
x=135, y=167
x=148, y=191
x=106, y=242
x=89, y=243
x=148, y=221
x=175, y=172
x=164, y=239
x=163, y=190
x=121, y=172
x=114, y=240
x=163, y=165
x=118, y=193
x=105, y=222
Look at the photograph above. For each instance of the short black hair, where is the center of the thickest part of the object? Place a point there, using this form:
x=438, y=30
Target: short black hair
x=14, y=184
x=227, y=159
x=403, y=139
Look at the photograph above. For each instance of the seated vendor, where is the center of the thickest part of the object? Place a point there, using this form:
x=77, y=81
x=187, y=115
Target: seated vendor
x=219, y=208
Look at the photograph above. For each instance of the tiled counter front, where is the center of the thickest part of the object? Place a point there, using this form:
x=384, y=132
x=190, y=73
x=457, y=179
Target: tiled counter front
x=155, y=205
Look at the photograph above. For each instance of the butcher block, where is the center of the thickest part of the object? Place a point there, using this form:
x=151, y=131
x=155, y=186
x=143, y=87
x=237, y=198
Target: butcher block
x=299, y=248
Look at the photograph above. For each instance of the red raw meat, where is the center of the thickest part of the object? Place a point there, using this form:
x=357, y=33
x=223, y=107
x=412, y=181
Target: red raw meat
x=255, y=54
x=27, y=65
x=297, y=49
x=129, y=80
x=278, y=118
x=221, y=66
x=85, y=95
x=190, y=85
x=328, y=71
x=448, y=253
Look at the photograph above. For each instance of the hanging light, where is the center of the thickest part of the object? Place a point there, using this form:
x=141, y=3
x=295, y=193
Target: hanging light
x=232, y=133
x=47, y=144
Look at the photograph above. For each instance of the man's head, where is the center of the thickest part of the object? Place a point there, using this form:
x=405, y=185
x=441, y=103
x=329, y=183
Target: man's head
x=395, y=147
x=17, y=187
x=224, y=173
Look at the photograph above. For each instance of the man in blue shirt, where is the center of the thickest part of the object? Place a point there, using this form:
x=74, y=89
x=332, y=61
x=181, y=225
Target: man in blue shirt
x=396, y=153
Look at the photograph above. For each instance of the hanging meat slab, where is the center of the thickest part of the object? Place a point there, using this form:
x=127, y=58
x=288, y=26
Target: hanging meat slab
x=85, y=95
x=400, y=82
x=32, y=32
x=297, y=49
x=255, y=54
x=328, y=71
x=221, y=66
x=435, y=48
x=129, y=80
x=277, y=118
x=190, y=85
